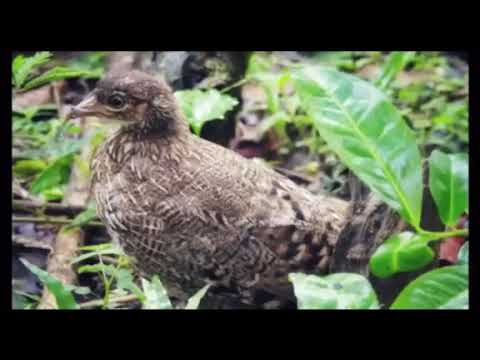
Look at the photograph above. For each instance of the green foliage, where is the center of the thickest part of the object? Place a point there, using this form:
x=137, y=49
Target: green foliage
x=200, y=106
x=449, y=185
x=443, y=288
x=23, y=68
x=367, y=133
x=401, y=253
x=62, y=294
x=336, y=291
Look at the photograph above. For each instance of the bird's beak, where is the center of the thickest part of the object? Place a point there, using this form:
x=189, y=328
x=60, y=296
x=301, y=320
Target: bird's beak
x=88, y=107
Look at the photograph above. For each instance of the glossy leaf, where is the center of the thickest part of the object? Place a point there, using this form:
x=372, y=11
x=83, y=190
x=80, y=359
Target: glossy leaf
x=395, y=63
x=401, y=253
x=463, y=255
x=61, y=292
x=336, y=291
x=368, y=134
x=194, y=301
x=449, y=184
x=155, y=295
x=443, y=288
x=201, y=106
x=55, y=174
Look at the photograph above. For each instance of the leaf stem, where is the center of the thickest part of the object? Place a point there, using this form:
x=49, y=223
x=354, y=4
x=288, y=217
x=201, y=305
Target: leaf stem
x=433, y=235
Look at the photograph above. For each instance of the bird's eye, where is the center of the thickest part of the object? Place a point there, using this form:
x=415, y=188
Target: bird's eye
x=117, y=101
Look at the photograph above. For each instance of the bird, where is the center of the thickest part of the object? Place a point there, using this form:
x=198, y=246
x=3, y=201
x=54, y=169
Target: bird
x=196, y=213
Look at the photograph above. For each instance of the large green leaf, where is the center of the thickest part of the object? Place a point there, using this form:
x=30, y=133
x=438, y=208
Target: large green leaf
x=336, y=291
x=449, y=184
x=56, y=174
x=155, y=295
x=444, y=288
x=395, y=63
x=62, y=293
x=367, y=133
x=201, y=106
x=401, y=253
x=194, y=301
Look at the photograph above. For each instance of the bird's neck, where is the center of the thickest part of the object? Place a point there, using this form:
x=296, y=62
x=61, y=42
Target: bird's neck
x=161, y=122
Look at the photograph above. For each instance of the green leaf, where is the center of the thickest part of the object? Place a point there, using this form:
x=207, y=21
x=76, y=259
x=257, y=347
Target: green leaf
x=449, y=184
x=444, y=288
x=201, y=106
x=368, y=134
x=28, y=167
x=336, y=291
x=62, y=294
x=194, y=301
x=56, y=174
x=22, y=66
x=83, y=218
x=395, y=63
x=400, y=253
x=58, y=73
x=463, y=255
x=53, y=194
x=155, y=295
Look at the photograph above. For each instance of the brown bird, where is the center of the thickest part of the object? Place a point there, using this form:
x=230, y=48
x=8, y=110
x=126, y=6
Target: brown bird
x=194, y=212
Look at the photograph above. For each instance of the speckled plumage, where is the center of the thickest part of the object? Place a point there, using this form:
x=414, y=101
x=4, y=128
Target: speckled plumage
x=194, y=212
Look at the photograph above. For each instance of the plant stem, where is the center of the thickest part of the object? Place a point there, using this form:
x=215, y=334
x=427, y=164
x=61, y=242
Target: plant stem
x=120, y=299
x=444, y=234
x=238, y=83
x=51, y=220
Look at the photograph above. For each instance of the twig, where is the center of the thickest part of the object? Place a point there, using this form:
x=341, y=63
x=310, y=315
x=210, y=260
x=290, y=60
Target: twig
x=120, y=299
x=33, y=206
x=51, y=220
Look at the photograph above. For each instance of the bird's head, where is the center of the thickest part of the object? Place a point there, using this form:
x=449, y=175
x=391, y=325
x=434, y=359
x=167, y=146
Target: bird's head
x=133, y=97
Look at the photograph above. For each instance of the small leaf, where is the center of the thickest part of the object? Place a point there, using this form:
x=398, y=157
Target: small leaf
x=463, y=255
x=201, y=106
x=195, y=300
x=449, y=184
x=55, y=174
x=400, y=253
x=336, y=291
x=395, y=63
x=443, y=288
x=368, y=134
x=155, y=295
x=29, y=167
x=63, y=296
